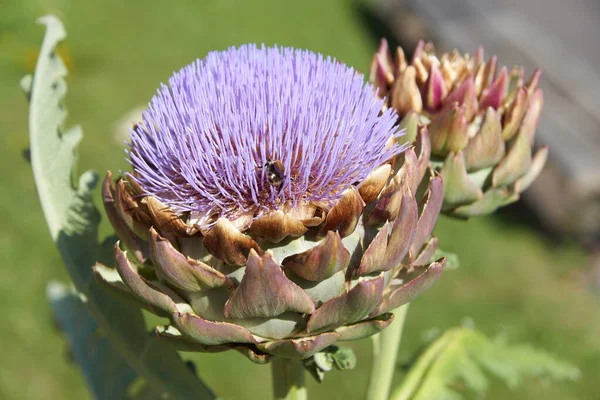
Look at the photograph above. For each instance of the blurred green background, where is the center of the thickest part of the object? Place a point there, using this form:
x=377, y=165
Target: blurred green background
x=513, y=280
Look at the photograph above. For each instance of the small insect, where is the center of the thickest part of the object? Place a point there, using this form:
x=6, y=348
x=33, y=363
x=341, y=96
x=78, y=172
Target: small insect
x=275, y=172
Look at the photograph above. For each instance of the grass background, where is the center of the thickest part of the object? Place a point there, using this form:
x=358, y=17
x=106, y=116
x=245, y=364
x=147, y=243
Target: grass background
x=512, y=281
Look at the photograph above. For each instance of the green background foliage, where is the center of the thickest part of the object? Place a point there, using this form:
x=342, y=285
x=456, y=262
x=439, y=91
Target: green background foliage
x=512, y=281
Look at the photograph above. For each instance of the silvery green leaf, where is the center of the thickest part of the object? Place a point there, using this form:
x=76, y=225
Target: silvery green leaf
x=73, y=223
x=108, y=376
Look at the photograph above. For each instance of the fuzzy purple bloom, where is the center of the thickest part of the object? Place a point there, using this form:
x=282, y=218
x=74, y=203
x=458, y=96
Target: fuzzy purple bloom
x=205, y=141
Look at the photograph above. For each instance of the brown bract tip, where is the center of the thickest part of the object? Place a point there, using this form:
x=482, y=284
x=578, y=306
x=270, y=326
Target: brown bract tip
x=320, y=262
x=164, y=219
x=134, y=214
x=276, y=226
x=228, y=244
x=370, y=188
x=345, y=214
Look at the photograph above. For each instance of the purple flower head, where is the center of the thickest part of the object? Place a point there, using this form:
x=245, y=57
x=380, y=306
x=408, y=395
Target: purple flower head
x=250, y=130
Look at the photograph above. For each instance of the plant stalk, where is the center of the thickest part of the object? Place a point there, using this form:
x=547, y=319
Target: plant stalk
x=413, y=380
x=288, y=379
x=385, y=351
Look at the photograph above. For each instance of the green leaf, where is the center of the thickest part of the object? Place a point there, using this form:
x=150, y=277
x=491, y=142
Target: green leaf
x=342, y=358
x=108, y=376
x=462, y=355
x=452, y=261
x=73, y=223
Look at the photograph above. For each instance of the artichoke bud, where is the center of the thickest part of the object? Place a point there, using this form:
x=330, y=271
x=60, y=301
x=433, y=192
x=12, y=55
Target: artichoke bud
x=481, y=119
x=282, y=225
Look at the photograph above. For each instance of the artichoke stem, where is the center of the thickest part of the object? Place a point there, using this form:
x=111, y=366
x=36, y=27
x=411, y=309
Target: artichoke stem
x=385, y=351
x=288, y=379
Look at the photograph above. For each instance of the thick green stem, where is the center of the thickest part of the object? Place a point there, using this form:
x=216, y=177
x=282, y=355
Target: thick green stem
x=288, y=379
x=385, y=350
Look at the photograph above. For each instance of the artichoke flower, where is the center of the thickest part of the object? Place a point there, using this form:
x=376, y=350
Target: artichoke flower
x=270, y=208
x=481, y=121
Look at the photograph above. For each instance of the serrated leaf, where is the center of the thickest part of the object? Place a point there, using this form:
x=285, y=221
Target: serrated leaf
x=108, y=376
x=73, y=222
x=463, y=355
